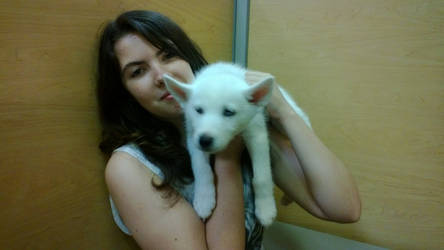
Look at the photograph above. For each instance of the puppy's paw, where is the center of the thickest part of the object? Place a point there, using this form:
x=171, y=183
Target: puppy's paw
x=265, y=210
x=204, y=202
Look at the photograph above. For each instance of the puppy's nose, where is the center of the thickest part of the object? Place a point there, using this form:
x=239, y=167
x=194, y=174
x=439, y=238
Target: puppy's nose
x=205, y=141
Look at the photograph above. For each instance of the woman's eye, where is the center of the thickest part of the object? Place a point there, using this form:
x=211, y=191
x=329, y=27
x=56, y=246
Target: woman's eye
x=168, y=55
x=137, y=72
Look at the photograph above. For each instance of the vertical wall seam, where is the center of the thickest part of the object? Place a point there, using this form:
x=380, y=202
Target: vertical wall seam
x=240, y=32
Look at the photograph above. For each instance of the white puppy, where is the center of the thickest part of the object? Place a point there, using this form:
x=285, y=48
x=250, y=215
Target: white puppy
x=218, y=105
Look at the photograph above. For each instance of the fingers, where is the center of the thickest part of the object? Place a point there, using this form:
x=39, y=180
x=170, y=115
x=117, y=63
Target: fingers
x=252, y=76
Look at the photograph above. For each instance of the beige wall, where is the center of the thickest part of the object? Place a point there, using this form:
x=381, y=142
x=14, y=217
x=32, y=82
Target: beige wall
x=53, y=195
x=370, y=74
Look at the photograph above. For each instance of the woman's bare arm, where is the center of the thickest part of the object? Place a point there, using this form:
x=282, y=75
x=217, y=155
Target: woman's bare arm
x=156, y=225
x=226, y=226
x=148, y=216
x=329, y=182
x=308, y=172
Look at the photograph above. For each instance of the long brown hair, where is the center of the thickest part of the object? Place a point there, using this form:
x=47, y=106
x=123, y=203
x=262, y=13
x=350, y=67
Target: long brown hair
x=123, y=120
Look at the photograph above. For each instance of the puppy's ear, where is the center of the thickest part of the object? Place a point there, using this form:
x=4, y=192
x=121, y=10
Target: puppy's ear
x=260, y=93
x=180, y=91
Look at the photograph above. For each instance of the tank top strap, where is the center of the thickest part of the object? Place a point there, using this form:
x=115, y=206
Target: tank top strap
x=133, y=150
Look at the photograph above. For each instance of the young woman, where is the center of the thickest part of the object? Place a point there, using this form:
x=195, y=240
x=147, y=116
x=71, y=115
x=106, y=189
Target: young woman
x=148, y=173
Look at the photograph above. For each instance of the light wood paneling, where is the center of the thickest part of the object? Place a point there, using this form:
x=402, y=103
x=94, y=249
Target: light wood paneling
x=53, y=193
x=370, y=74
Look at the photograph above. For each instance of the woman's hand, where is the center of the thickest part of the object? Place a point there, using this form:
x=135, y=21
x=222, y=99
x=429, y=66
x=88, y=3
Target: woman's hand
x=252, y=76
x=277, y=99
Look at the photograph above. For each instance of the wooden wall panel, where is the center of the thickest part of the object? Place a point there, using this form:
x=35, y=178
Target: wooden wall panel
x=370, y=74
x=53, y=193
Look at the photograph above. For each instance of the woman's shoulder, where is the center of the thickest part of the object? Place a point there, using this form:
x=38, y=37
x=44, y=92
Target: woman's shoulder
x=135, y=155
x=132, y=155
x=123, y=165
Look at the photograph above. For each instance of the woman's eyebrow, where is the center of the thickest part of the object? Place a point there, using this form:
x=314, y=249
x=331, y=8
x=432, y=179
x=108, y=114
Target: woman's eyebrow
x=131, y=64
x=158, y=53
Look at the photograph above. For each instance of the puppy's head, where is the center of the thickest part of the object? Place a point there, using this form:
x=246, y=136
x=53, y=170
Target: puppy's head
x=219, y=107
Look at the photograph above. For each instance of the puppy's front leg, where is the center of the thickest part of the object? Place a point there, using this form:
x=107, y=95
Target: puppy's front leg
x=257, y=143
x=204, y=191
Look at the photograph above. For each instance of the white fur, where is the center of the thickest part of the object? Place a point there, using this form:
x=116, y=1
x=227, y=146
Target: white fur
x=218, y=90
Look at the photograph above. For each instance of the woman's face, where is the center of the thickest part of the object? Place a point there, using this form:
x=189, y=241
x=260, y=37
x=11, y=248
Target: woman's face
x=142, y=66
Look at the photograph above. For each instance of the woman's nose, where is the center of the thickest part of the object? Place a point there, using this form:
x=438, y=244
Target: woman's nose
x=158, y=72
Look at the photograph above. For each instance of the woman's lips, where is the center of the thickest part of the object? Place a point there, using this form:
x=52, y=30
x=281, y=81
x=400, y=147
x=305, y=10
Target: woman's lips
x=166, y=96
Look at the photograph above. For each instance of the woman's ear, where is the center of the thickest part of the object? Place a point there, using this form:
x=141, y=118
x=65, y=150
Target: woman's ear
x=260, y=93
x=180, y=91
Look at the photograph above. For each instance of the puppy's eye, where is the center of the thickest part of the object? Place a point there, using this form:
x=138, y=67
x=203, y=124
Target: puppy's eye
x=199, y=110
x=228, y=112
